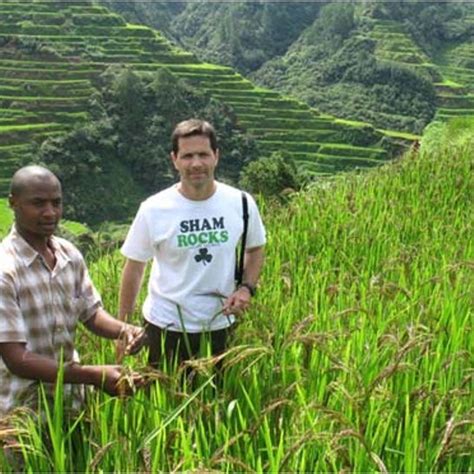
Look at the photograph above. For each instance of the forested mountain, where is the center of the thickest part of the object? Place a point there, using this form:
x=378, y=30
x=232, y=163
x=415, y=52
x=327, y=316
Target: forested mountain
x=389, y=63
x=243, y=35
x=95, y=98
x=383, y=64
x=157, y=15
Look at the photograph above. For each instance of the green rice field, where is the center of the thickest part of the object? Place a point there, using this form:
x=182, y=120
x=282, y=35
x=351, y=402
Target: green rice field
x=357, y=355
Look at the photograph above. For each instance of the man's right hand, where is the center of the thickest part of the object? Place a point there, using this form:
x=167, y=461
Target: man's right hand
x=113, y=381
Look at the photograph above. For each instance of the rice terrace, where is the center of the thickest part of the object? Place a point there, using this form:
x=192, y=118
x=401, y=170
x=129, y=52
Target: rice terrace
x=352, y=124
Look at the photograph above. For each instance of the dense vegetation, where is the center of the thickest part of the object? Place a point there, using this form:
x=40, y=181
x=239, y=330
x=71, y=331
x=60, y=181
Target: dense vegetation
x=356, y=356
x=59, y=84
x=127, y=145
x=431, y=24
x=336, y=70
x=157, y=15
x=243, y=35
x=380, y=62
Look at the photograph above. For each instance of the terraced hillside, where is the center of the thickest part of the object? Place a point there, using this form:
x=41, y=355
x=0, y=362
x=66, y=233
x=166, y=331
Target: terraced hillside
x=456, y=91
x=393, y=43
x=452, y=71
x=51, y=55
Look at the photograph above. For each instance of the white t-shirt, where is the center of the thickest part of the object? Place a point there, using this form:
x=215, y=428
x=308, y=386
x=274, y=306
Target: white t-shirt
x=192, y=244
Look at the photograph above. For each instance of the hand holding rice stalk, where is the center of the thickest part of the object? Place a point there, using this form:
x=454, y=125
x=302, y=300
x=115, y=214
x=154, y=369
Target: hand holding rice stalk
x=130, y=341
x=129, y=382
x=223, y=310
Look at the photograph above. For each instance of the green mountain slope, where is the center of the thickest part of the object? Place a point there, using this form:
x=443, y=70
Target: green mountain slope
x=394, y=64
x=456, y=91
x=451, y=67
x=52, y=56
x=375, y=66
x=243, y=35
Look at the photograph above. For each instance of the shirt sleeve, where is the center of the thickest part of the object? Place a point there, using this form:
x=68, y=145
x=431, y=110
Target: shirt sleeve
x=138, y=245
x=12, y=325
x=256, y=236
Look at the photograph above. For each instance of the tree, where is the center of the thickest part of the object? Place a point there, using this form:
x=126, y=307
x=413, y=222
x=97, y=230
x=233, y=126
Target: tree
x=271, y=175
x=96, y=184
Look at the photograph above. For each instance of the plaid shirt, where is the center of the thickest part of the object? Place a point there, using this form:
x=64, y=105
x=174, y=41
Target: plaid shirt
x=41, y=307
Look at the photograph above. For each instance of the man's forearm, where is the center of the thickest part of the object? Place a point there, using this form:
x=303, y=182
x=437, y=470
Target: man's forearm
x=239, y=301
x=129, y=336
x=104, y=325
x=130, y=285
x=32, y=366
x=253, y=263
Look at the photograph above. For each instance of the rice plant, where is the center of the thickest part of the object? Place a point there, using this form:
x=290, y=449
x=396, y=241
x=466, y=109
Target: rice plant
x=357, y=355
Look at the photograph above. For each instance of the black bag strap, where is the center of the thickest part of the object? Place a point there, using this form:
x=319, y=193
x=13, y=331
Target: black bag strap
x=239, y=269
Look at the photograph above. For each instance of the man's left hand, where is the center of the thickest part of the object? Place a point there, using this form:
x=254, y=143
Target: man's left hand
x=238, y=302
x=130, y=341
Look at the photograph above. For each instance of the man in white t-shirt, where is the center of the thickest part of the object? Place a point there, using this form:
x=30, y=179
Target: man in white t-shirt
x=191, y=231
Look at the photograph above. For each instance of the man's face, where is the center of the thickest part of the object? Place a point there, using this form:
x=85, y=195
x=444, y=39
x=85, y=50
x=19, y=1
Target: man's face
x=38, y=208
x=195, y=161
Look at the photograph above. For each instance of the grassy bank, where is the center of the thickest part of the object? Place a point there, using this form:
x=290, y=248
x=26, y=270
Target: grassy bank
x=357, y=356
x=6, y=217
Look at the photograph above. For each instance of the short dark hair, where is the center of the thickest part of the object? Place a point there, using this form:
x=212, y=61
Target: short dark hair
x=191, y=127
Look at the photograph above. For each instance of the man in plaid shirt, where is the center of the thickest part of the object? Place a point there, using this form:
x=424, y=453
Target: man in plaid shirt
x=45, y=290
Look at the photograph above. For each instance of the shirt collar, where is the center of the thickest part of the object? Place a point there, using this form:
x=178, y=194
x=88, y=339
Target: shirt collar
x=28, y=254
